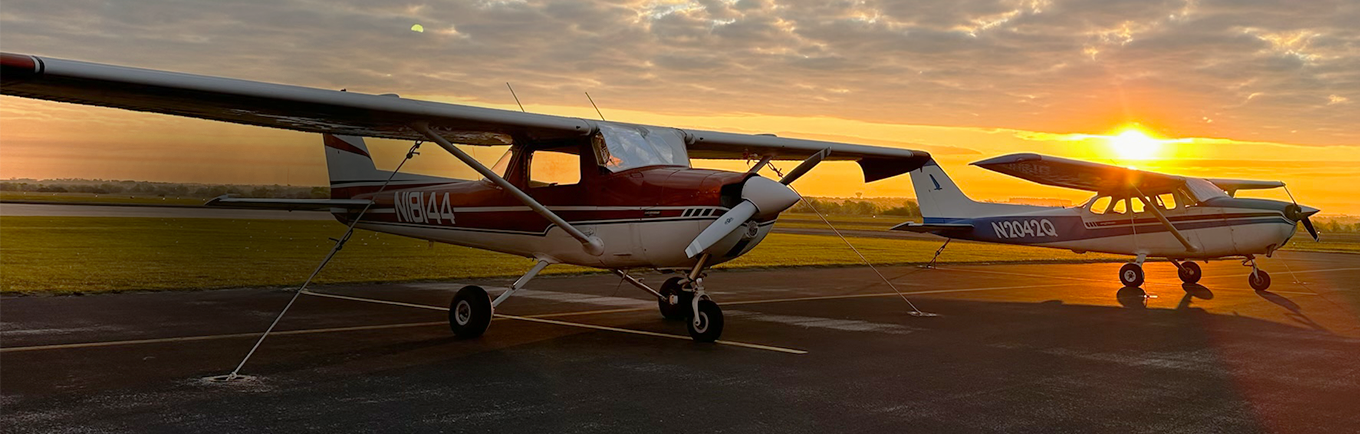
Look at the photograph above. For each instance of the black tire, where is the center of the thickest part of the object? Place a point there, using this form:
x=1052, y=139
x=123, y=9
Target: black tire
x=1260, y=280
x=676, y=311
x=1131, y=275
x=1189, y=272
x=710, y=323
x=470, y=312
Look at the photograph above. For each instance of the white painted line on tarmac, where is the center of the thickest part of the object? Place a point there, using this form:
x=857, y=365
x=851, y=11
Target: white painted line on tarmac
x=564, y=323
x=213, y=337
x=806, y=322
x=647, y=333
x=377, y=301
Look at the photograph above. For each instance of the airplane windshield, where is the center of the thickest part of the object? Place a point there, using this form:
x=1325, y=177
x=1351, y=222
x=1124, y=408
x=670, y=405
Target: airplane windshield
x=623, y=147
x=1203, y=190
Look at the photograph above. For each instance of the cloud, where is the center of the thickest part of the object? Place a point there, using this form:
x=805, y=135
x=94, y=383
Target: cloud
x=1063, y=66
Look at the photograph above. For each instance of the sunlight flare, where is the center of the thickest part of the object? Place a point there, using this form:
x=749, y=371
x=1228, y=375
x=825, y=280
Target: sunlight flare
x=1134, y=144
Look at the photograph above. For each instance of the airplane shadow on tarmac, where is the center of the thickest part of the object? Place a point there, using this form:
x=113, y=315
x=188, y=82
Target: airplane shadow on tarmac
x=1295, y=312
x=1133, y=297
x=1136, y=298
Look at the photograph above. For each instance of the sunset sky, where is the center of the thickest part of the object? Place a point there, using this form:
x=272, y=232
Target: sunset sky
x=1250, y=89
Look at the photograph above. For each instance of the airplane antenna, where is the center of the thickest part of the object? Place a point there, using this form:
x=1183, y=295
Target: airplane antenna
x=592, y=104
x=512, y=93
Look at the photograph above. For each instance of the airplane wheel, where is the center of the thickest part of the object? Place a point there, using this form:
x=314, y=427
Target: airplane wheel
x=1260, y=280
x=470, y=312
x=710, y=322
x=1131, y=275
x=1189, y=272
x=676, y=311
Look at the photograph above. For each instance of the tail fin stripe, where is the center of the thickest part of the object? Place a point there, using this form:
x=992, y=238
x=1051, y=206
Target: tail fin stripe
x=340, y=144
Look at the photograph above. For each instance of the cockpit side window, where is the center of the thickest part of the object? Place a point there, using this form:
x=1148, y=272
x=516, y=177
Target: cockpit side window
x=1121, y=206
x=551, y=167
x=623, y=147
x=1100, y=205
x=1183, y=196
x=1137, y=205
x=1165, y=201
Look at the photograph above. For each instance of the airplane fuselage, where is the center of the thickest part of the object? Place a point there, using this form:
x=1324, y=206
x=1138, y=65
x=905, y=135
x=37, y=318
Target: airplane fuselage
x=1236, y=227
x=645, y=217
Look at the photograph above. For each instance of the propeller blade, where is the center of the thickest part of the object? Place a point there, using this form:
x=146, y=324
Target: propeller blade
x=1308, y=224
x=805, y=166
x=728, y=222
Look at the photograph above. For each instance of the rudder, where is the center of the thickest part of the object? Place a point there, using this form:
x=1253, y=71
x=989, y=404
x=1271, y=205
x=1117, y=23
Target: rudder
x=937, y=195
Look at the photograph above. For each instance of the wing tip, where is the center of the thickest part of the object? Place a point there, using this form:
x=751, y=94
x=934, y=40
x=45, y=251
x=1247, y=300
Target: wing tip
x=16, y=67
x=882, y=168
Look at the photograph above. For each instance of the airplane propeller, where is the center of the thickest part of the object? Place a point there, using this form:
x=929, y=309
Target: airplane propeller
x=1301, y=213
x=760, y=197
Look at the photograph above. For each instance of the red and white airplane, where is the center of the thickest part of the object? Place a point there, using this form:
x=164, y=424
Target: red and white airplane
x=599, y=194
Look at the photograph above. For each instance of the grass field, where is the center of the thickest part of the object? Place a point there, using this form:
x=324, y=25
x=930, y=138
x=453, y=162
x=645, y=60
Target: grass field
x=88, y=254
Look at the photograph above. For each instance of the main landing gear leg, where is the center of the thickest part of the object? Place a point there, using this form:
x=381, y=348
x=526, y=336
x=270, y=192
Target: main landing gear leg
x=672, y=300
x=1131, y=274
x=471, y=310
x=1188, y=271
x=931, y=264
x=1258, y=279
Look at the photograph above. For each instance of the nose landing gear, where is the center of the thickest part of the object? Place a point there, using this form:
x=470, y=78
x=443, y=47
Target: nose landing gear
x=684, y=298
x=1258, y=279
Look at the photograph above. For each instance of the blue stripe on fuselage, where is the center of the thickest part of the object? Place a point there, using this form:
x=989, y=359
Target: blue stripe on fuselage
x=1050, y=229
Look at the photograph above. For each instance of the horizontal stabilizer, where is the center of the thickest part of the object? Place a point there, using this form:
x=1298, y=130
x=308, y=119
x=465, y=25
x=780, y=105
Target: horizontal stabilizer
x=932, y=228
x=286, y=204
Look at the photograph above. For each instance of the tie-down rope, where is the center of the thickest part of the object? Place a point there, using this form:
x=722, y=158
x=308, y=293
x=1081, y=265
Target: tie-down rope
x=339, y=244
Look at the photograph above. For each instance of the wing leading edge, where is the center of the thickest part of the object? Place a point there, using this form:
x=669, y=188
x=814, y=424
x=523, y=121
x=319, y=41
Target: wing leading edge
x=382, y=116
x=1101, y=178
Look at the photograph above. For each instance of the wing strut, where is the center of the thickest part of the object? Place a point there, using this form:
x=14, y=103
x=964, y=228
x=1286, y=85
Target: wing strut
x=1147, y=204
x=590, y=243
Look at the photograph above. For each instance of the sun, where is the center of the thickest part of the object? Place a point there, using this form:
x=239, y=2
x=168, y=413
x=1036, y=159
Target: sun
x=1133, y=144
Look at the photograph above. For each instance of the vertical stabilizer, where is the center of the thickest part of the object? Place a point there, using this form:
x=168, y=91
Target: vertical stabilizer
x=348, y=160
x=940, y=199
x=352, y=171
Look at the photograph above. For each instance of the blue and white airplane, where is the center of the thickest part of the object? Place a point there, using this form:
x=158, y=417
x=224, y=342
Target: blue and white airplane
x=1134, y=212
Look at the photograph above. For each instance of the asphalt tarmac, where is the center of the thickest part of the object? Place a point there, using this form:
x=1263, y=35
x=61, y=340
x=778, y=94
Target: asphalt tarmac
x=1014, y=348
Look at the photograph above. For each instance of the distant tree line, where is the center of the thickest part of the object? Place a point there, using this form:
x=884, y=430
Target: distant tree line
x=858, y=207
x=163, y=189
x=1325, y=225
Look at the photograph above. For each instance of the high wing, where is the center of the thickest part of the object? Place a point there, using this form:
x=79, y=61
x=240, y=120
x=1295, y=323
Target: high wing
x=1232, y=185
x=1080, y=175
x=877, y=163
x=382, y=116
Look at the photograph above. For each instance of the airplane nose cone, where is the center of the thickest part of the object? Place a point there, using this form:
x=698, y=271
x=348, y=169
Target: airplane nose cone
x=1308, y=211
x=769, y=196
x=1297, y=212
